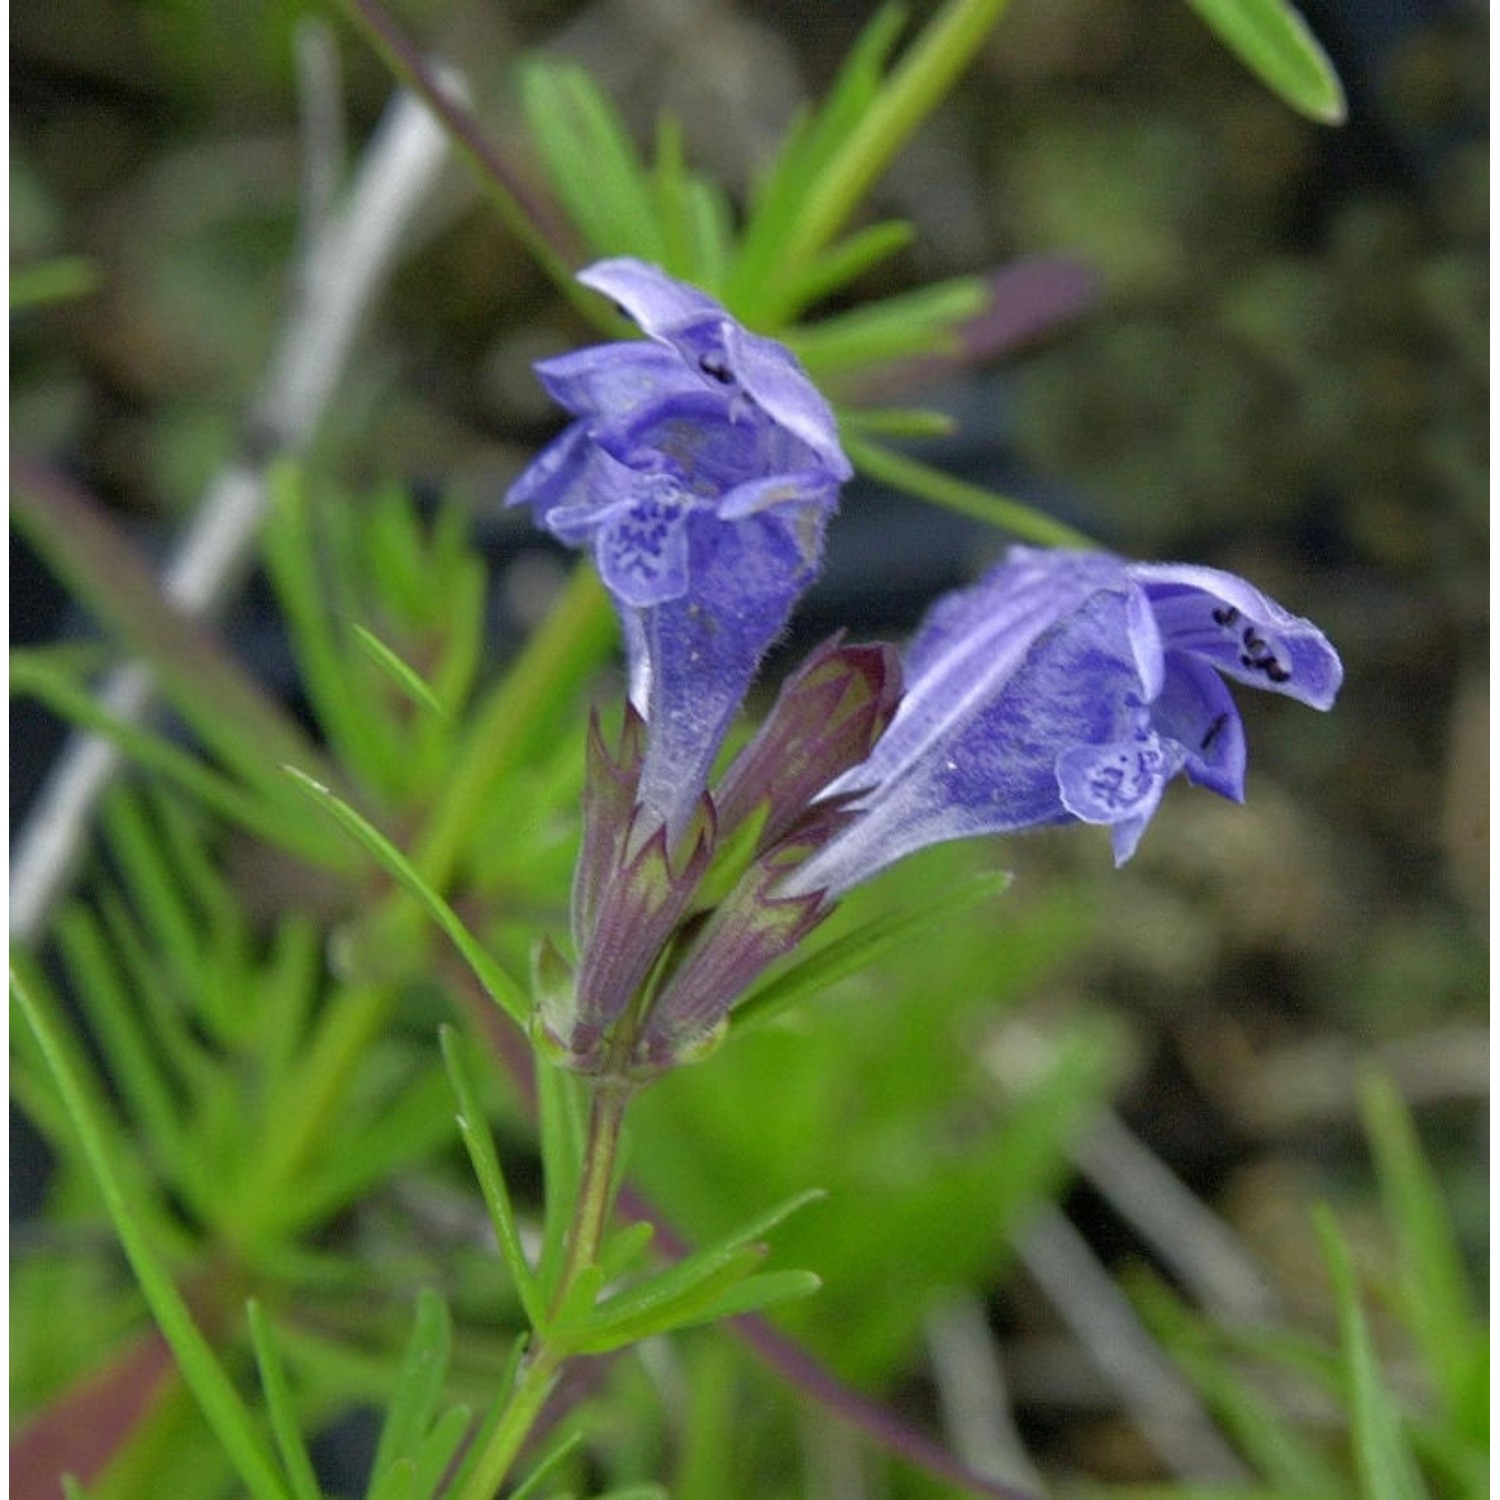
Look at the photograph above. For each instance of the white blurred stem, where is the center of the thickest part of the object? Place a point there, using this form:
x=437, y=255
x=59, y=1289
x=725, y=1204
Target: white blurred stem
x=347, y=262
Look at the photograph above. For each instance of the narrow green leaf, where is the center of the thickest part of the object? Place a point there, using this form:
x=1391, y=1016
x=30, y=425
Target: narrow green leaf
x=226, y=1414
x=933, y=485
x=116, y=1026
x=480, y=1145
x=919, y=322
x=548, y=1463
x=897, y=421
x=61, y=279
x=682, y=1289
x=272, y=822
x=280, y=1407
x=812, y=974
x=72, y=1490
x=1439, y=1307
x=397, y=1482
x=497, y=983
x=408, y=1128
x=757, y=1293
x=591, y=161
x=348, y=716
x=404, y=676
x=837, y=266
x=436, y=1452
x=419, y=1382
x=805, y=153
x=1386, y=1467
x=237, y=720
x=917, y=83
x=624, y=1248
x=1277, y=45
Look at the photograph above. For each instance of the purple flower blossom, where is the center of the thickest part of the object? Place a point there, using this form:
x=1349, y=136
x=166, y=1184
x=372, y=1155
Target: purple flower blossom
x=701, y=470
x=1063, y=686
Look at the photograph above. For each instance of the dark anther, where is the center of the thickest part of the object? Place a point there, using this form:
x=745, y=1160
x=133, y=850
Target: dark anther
x=1226, y=616
x=1277, y=673
x=1252, y=641
x=1214, y=731
x=716, y=367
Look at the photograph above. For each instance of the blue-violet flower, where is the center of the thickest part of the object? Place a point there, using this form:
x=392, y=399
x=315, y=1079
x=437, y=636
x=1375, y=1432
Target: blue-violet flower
x=701, y=470
x=1067, y=686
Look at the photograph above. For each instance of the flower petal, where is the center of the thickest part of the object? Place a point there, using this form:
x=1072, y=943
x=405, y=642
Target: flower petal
x=654, y=301
x=1196, y=710
x=1247, y=636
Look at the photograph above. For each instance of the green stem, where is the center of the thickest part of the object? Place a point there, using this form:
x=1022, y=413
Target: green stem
x=543, y=1365
x=529, y=221
x=933, y=485
x=924, y=75
x=596, y=1189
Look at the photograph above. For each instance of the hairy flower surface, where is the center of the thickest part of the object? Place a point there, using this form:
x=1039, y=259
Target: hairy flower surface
x=1063, y=686
x=701, y=471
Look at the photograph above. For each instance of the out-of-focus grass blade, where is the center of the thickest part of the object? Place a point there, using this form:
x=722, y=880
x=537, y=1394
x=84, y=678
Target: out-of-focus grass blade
x=1386, y=1467
x=1276, y=44
x=1439, y=1307
x=419, y=1382
x=591, y=161
x=838, y=265
x=243, y=726
x=546, y=1464
x=404, y=676
x=497, y=983
x=61, y=279
x=37, y=677
x=280, y=1407
x=226, y=1414
x=923, y=321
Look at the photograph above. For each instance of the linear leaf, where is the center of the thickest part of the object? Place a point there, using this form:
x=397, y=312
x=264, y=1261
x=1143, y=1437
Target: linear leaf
x=1386, y=1467
x=237, y=719
x=231, y=1421
x=497, y=983
x=1277, y=45
x=31, y=676
x=1439, y=1306
x=903, y=472
x=487, y=1169
x=419, y=1382
x=280, y=1408
x=405, y=677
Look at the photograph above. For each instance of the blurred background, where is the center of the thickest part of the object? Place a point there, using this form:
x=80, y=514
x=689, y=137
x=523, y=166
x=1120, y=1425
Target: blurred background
x=1282, y=371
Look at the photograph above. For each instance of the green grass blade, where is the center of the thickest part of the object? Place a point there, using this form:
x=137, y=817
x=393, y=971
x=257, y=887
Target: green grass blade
x=45, y=282
x=1386, y=1467
x=897, y=421
x=280, y=1407
x=31, y=676
x=1439, y=1306
x=532, y=1484
x=919, y=322
x=435, y=1454
x=591, y=161
x=497, y=983
x=486, y=1161
x=222, y=1407
x=242, y=725
x=419, y=1382
x=561, y=1127
x=116, y=1026
x=1276, y=44
x=937, y=488
x=404, y=676
x=837, y=266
